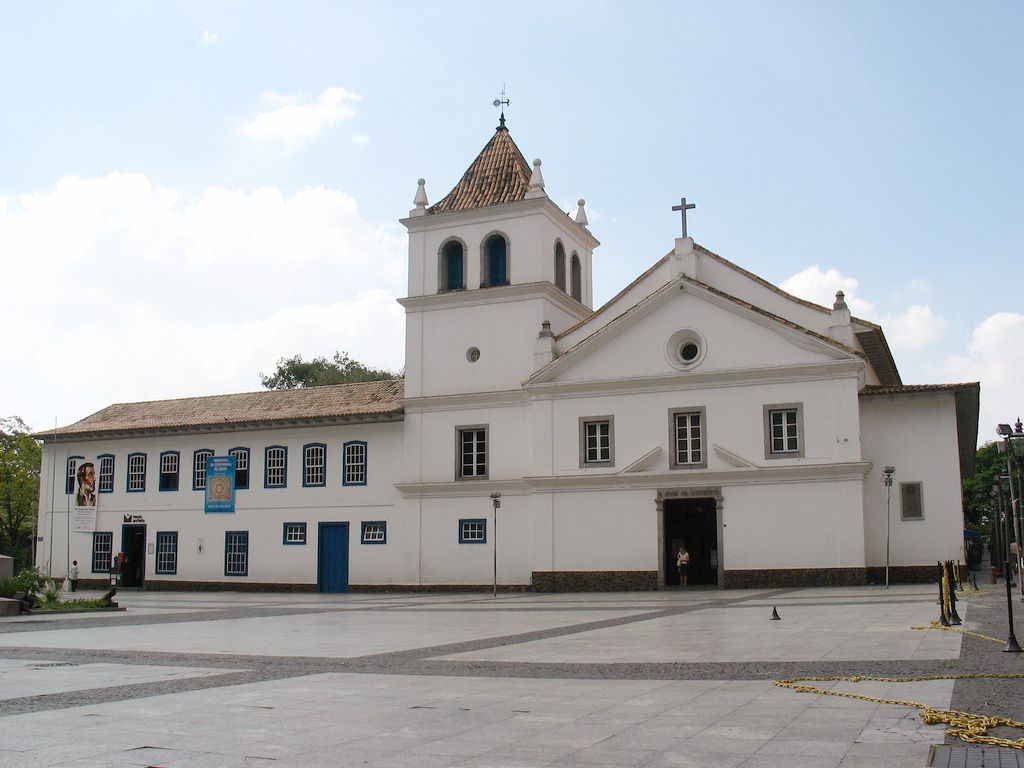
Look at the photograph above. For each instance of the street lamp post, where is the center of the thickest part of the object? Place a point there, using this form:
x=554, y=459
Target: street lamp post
x=887, y=473
x=1014, y=445
x=496, y=501
x=997, y=534
x=1012, y=646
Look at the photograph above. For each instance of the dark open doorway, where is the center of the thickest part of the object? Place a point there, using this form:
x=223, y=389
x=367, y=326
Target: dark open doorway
x=133, y=544
x=693, y=523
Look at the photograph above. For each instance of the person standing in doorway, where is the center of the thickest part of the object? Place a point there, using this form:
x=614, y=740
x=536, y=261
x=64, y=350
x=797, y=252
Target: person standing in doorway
x=73, y=576
x=682, y=564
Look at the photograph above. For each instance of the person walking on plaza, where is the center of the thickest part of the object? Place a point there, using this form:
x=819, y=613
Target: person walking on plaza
x=682, y=563
x=73, y=576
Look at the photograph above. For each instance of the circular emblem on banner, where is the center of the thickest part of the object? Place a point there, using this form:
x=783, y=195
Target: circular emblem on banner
x=220, y=489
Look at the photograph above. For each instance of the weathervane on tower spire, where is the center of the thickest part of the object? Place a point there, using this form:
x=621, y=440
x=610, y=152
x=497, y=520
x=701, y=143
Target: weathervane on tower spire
x=501, y=102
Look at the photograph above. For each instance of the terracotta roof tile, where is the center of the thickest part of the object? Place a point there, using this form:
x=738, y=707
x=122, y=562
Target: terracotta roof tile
x=339, y=400
x=903, y=389
x=500, y=174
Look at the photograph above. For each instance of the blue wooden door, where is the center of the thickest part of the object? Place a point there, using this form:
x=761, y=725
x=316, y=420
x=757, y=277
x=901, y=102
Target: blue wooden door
x=332, y=560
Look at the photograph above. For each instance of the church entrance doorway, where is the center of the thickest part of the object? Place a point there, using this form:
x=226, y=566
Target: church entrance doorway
x=692, y=523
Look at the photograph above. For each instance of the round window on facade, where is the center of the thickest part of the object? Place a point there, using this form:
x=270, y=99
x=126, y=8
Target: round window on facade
x=685, y=349
x=472, y=354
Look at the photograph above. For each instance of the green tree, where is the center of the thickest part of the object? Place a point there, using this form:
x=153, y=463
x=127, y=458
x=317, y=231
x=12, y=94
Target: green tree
x=988, y=465
x=295, y=373
x=20, y=457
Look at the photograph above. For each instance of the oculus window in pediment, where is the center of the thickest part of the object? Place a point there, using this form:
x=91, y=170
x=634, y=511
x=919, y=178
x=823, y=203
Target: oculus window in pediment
x=685, y=349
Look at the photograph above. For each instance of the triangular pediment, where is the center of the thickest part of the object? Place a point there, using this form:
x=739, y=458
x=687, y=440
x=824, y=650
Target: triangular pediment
x=721, y=332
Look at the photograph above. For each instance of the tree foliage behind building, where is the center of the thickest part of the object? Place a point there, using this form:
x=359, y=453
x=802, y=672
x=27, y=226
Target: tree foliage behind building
x=988, y=465
x=20, y=456
x=296, y=373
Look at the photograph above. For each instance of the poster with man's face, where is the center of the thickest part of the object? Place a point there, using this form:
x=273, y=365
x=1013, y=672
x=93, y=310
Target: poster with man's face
x=85, y=493
x=83, y=518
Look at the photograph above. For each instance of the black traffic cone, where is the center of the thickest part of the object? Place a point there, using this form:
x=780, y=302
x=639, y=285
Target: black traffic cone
x=775, y=615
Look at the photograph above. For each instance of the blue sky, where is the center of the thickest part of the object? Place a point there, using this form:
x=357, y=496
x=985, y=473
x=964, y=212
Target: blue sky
x=201, y=188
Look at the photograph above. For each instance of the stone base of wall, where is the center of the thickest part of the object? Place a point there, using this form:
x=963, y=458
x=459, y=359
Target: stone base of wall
x=595, y=581
x=398, y=588
x=905, y=574
x=796, y=577
x=223, y=586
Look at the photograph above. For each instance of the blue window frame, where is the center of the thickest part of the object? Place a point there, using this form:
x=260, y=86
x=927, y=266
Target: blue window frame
x=167, y=552
x=236, y=553
x=169, y=464
x=275, y=466
x=241, y=467
x=72, y=470
x=496, y=250
x=105, y=480
x=453, y=271
x=199, y=468
x=354, y=463
x=102, y=551
x=473, y=531
x=314, y=465
x=374, y=532
x=136, y=482
x=293, y=533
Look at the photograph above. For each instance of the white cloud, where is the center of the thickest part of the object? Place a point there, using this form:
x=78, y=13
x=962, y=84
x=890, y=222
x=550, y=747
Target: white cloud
x=994, y=357
x=209, y=38
x=917, y=327
x=295, y=120
x=820, y=287
x=359, y=139
x=178, y=298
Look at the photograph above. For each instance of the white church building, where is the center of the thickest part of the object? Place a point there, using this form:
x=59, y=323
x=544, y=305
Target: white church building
x=701, y=407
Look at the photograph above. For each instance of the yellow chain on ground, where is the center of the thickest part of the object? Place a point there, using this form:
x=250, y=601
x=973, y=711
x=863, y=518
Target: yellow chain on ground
x=966, y=726
x=936, y=625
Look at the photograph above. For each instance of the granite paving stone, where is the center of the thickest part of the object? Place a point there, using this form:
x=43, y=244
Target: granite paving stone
x=676, y=678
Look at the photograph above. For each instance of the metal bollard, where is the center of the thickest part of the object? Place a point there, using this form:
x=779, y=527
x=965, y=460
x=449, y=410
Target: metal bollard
x=942, y=599
x=954, y=617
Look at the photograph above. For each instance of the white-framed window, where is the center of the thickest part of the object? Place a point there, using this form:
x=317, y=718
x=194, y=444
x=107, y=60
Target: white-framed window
x=784, y=431
x=314, y=465
x=473, y=531
x=169, y=471
x=236, y=553
x=72, y=471
x=167, y=552
x=374, y=532
x=199, y=459
x=102, y=551
x=597, y=441
x=293, y=533
x=136, y=472
x=471, y=459
x=241, y=467
x=275, y=470
x=687, y=429
x=105, y=483
x=912, y=501
x=354, y=472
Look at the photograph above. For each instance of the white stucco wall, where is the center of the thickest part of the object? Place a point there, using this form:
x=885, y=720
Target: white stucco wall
x=915, y=433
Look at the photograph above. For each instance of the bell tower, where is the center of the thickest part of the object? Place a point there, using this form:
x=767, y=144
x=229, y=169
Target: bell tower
x=489, y=263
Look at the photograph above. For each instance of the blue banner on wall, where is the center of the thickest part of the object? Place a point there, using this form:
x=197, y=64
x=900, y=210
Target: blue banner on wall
x=220, y=484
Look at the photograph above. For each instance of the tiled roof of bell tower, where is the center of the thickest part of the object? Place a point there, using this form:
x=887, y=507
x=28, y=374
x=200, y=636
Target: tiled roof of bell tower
x=500, y=174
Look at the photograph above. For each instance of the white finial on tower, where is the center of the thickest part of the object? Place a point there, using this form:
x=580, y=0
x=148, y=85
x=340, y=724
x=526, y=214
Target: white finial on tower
x=580, y=217
x=420, y=201
x=536, y=182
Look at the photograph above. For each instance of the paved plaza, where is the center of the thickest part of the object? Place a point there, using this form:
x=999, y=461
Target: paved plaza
x=630, y=679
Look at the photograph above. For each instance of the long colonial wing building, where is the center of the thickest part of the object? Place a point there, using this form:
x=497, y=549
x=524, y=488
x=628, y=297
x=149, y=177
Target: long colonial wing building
x=701, y=407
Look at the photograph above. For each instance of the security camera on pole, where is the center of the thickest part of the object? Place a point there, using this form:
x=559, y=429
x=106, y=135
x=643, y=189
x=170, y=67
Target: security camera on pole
x=496, y=501
x=887, y=473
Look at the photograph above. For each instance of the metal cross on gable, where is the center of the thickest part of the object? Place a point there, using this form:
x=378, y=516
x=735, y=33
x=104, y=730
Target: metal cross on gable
x=683, y=207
